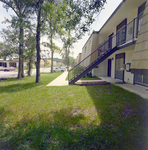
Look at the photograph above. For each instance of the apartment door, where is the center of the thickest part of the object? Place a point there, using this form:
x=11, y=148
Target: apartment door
x=121, y=32
x=109, y=67
x=110, y=41
x=119, y=66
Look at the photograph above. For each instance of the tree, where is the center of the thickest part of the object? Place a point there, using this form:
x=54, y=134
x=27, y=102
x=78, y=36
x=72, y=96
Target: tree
x=79, y=15
x=30, y=45
x=38, y=6
x=11, y=42
x=53, y=25
x=22, y=9
x=4, y=51
x=70, y=60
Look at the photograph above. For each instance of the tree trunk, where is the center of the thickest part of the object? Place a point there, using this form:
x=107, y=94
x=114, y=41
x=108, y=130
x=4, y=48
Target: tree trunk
x=30, y=67
x=38, y=45
x=21, y=65
x=67, y=58
x=52, y=52
x=51, y=61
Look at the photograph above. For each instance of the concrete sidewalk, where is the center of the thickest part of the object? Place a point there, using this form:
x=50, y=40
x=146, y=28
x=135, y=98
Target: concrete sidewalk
x=60, y=80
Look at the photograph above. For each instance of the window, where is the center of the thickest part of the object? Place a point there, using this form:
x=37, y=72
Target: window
x=141, y=77
x=121, y=32
x=140, y=16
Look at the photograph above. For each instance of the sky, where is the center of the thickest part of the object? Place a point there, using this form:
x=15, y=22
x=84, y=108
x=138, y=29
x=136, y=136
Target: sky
x=109, y=8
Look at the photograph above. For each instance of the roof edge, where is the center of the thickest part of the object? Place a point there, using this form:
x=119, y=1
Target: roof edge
x=94, y=32
x=112, y=15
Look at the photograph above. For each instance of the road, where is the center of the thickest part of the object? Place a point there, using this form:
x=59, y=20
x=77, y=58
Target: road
x=11, y=74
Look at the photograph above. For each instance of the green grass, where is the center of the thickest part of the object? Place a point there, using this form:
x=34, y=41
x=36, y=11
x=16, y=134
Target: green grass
x=34, y=116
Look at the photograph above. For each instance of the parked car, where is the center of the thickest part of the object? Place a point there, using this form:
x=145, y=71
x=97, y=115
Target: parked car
x=1, y=68
x=58, y=69
x=9, y=69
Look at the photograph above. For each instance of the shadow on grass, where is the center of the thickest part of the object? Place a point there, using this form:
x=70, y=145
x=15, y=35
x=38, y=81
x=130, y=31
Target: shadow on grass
x=124, y=118
x=123, y=113
x=17, y=87
x=46, y=132
x=42, y=132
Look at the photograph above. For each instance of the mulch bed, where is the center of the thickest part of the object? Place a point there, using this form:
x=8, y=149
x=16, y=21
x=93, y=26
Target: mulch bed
x=93, y=83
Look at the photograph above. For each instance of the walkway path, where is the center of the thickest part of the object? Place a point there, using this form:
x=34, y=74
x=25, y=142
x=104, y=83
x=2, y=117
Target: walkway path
x=60, y=80
x=140, y=90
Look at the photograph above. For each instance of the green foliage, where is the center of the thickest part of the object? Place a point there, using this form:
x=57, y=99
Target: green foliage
x=30, y=51
x=75, y=71
x=53, y=25
x=69, y=60
x=78, y=16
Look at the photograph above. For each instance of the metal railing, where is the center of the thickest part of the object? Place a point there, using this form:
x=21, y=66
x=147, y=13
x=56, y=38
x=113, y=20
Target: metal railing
x=126, y=34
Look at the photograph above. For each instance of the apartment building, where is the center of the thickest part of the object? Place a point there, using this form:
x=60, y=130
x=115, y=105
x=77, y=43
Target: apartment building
x=120, y=48
x=78, y=59
x=11, y=63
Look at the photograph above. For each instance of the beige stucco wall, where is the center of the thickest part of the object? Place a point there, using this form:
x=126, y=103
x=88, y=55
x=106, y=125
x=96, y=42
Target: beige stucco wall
x=101, y=71
x=94, y=46
x=90, y=46
x=47, y=62
x=140, y=55
x=78, y=59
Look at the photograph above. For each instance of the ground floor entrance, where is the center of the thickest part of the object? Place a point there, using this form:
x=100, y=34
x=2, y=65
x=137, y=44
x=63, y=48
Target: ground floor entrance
x=119, y=66
x=109, y=67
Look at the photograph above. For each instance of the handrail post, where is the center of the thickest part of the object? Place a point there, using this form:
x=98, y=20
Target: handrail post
x=68, y=75
x=133, y=29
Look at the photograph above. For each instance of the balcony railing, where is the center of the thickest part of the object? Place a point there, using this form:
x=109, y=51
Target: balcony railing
x=126, y=34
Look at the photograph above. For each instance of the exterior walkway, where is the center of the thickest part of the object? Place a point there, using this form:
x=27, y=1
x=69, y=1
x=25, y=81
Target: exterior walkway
x=60, y=80
x=140, y=90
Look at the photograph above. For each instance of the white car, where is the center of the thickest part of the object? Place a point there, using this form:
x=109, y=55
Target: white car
x=58, y=69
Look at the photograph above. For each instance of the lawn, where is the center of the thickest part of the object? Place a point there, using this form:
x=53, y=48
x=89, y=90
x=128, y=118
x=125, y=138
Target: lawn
x=106, y=117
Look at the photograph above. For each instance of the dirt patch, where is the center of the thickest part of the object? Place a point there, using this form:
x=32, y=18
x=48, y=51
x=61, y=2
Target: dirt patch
x=75, y=111
x=71, y=94
x=91, y=112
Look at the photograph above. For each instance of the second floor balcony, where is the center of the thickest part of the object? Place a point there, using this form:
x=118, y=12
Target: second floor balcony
x=125, y=36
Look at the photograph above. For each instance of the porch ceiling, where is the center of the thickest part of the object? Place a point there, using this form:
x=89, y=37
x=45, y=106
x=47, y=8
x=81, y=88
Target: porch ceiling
x=120, y=14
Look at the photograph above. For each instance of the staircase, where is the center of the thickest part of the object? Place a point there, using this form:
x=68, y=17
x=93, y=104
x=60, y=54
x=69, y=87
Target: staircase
x=104, y=51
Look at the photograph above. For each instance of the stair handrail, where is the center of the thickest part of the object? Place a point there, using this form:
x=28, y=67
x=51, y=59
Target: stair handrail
x=103, y=43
